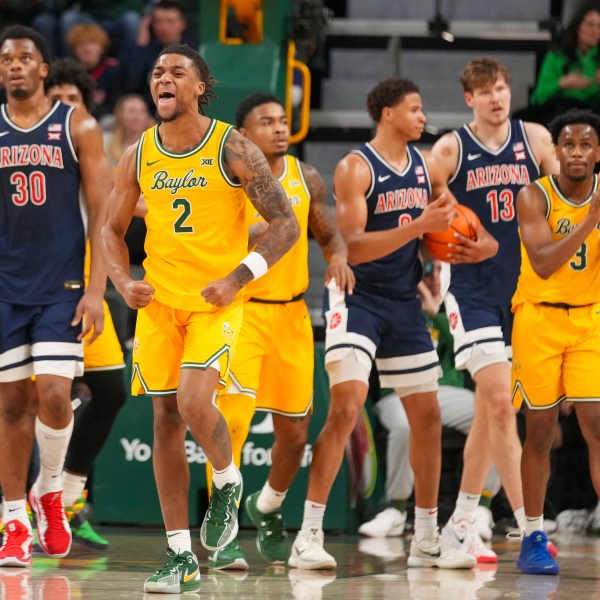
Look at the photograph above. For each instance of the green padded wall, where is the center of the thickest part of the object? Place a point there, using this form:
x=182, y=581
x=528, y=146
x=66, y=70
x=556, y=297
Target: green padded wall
x=245, y=69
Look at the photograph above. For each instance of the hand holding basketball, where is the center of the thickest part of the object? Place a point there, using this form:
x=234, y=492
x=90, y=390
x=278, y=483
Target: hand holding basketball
x=440, y=244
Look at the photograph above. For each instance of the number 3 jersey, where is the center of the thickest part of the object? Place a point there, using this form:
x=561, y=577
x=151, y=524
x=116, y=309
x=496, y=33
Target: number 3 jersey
x=42, y=230
x=488, y=181
x=577, y=281
x=196, y=217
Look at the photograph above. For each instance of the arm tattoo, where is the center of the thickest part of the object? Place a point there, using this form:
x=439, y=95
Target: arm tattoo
x=321, y=217
x=250, y=166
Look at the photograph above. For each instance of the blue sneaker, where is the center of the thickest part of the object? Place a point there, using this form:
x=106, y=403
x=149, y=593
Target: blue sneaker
x=534, y=558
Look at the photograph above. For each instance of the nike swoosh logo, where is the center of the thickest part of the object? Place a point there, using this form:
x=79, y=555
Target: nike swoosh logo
x=191, y=576
x=153, y=162
x=12, y=509
x=4, y=133
x=381, y=178
x=170, y=535
x=473, y=156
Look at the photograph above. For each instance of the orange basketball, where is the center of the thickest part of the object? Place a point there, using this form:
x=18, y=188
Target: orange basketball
x=465, y=222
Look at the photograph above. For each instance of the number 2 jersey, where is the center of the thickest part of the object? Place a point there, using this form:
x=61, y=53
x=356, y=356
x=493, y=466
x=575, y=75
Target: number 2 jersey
x=488, y=181
x=42, y=223
x=577, y=281
x=196, y=228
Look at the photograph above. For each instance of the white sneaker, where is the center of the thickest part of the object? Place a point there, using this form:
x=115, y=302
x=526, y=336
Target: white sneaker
x=485, y=523
x=387, y=549
x=593, y=522
x=433, y=552
x=388, y=523
x=464, y=536
x=308, y=551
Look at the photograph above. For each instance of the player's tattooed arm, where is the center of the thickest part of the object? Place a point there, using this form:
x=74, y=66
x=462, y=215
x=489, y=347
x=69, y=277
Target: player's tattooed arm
x=244, y=161
x=321, y=220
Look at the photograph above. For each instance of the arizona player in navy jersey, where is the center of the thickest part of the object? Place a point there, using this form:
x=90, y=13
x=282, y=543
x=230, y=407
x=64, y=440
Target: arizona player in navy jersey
x=48, y=149
x=387, y=195
x=486, y=162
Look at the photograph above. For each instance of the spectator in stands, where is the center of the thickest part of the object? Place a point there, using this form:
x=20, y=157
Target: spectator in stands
x=570, y=73
x=90, y=44
x=120, y=19
x=457, y=406
x=165, y=25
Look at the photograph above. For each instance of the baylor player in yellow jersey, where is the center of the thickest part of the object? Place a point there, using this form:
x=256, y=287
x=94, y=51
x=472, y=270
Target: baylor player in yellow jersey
x=272, y=369
x=556, y=332
x=193, y=172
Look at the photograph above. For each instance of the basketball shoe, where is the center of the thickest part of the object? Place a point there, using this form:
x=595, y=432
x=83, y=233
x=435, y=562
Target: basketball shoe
x=16, y=546
x=54, y=533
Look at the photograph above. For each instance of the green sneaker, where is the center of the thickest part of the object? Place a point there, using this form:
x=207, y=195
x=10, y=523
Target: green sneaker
x=81, y=529
x=229, y=558
x=271, y=538
x=181, y=573
x=220, y=525
x=83, y=532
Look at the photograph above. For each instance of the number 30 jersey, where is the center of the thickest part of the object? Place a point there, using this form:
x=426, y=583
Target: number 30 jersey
x=196, y=217
x=42, y=230
x=488, y=181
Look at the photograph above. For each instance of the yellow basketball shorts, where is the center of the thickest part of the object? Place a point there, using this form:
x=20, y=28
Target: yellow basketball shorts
x=556, y=353
x=105, y=353
x=274, y=358
x=168, y=340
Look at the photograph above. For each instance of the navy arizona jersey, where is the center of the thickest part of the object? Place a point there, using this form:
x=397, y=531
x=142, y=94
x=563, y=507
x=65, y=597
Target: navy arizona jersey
x=42, y=232
x=394, y=199
x=488, y=183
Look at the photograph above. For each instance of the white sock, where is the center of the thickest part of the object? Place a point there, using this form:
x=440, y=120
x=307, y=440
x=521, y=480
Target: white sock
x=15, y=509
x=73, y=486
x=425, y=522
x=313, y=515
x=521, y=519
x=466, y=508
x=53, y=444
x=269, y=500
x=534, y=524
x=229, y=474
x=179, y=540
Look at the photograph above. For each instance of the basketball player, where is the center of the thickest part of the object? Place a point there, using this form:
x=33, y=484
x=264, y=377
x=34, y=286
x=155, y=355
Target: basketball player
x=48, y=151
x=103, y=361
x=274, y=360
x=387, y=195
x=486, y=162
x=556, y=335
x=193, y=172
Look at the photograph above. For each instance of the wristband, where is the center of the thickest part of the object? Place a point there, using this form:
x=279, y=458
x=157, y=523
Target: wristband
x=256, y=263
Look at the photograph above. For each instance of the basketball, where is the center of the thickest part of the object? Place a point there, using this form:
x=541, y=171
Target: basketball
x=465, y=222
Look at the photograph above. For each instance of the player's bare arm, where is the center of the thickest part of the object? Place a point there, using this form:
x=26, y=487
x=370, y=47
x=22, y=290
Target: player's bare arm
x=543, y=148
x=442, y=163
x=446, y=151
x=351, y=180
x=244, y=161
x=121, y=206
x=545, y=255
x=321, y=220
x=96, y=179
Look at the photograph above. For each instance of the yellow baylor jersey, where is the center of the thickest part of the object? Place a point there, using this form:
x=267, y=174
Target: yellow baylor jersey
x=196, y=229
x=288, y=277
x=577, y=282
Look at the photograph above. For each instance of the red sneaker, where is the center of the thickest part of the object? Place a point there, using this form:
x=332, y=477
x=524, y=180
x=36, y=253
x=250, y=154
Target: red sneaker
x=16, y=549
x=54, y=533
